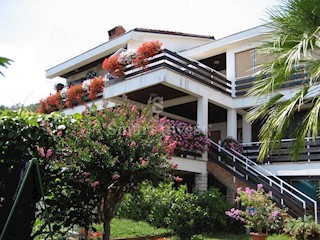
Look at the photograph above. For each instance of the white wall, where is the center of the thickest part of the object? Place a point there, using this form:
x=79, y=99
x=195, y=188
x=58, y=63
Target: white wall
x=171, y=42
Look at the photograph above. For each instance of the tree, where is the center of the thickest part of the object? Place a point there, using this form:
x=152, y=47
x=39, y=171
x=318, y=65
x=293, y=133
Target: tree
x=25, y=135
x=4, y=62
x=116, y=149
x=21, y=134
x=294, y=46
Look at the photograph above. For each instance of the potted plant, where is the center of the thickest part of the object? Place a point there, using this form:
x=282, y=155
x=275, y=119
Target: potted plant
x=95, y=87
x=113, y=66
x=75, y=96
x=259, y=212
x=145, y=51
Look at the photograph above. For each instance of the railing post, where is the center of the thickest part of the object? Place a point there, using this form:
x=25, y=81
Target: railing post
x=281, y=190
x=308, y=149
x=219, y=150
x=305, y=210
x=316, y=212
x=234, y=168
x=247, y=177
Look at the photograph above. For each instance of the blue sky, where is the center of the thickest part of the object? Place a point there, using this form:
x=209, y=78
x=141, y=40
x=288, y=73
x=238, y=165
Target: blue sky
x=39, y=34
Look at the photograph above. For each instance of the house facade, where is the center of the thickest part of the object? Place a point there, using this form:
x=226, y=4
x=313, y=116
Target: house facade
x=201, y=80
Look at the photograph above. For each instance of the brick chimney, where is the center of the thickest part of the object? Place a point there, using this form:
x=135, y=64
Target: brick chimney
x=116, y=32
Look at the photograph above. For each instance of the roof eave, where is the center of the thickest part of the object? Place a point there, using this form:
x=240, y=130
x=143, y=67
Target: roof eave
x=89, y=56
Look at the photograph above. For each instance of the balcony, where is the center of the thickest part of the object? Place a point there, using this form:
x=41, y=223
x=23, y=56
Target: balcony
x=309, y=153
x=245, y=83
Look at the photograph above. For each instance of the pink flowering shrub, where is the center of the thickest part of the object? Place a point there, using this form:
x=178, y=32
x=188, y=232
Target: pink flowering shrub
x=233, y=144
x=117, y=149
x=188, y=136
x=260, y=212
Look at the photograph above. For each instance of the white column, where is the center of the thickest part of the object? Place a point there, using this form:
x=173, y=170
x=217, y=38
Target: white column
x=246, y=131
x=202, y=118
x=232, y=123
x=231, y=70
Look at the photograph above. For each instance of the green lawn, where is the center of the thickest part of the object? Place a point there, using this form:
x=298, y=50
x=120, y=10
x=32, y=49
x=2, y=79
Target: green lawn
x=128, y=228
x=245, y=237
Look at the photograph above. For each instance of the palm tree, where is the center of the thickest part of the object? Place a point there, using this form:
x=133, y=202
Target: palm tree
x=4, y=62
x=295, y=47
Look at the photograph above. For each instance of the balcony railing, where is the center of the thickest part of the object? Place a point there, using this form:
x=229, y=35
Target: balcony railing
x=244, y=84
x=309, y=153
x=184, y=66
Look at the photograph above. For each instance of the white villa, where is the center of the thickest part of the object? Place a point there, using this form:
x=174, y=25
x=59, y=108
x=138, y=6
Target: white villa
x=202, y=80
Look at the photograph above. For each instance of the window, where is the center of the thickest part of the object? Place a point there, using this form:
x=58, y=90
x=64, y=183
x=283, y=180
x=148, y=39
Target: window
x=244, y=63
x=248, y=62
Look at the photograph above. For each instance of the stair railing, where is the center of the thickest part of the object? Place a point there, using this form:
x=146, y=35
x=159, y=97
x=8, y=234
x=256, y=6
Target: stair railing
x=282, y=185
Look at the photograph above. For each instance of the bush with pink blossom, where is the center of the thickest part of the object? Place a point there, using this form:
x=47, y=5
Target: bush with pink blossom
x=188, y=136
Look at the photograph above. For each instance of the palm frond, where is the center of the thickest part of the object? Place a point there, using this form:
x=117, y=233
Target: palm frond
x=4, y=62
x=294, y=43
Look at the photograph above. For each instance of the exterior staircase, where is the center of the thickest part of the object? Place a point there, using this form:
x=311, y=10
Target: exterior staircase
x=235, y=170
x=225, y=177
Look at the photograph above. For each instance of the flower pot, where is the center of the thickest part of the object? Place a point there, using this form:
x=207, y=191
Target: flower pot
x=258, y=236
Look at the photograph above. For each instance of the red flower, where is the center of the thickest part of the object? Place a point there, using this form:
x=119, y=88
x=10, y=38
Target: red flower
x=146, y=50
x=50, y=104
x=86, y=174
x=75, y=96
x=96, y=86
x=42, y=106
x=178, y=179
x=144, y=163
x=115, y=177
x=174, y=165
x=112, y=65
x=133, y=144
x=95, y=184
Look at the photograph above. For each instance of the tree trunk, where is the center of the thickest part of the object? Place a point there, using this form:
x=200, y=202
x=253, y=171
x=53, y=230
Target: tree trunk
x=110, y=201
x=106, y=228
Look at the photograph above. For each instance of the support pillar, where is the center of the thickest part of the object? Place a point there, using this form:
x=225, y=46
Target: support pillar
x=230, y=195
x=232, y=123
x=231, y=70
x=201, y=182
x=202, y=118
x=246, y=131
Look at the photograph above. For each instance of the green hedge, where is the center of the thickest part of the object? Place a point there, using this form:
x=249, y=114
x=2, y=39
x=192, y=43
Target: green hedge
x=184, y=213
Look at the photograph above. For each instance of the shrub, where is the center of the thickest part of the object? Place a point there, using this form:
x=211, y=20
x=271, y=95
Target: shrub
x=302, y=229
x=184, y=213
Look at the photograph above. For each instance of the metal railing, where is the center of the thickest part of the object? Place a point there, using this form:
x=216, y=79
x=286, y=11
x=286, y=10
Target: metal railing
x=245, y=83
x=285, y=194
x=310, y=152
x=184, y=66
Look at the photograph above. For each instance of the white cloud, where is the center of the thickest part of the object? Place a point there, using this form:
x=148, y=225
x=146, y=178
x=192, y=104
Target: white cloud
x=24, y=80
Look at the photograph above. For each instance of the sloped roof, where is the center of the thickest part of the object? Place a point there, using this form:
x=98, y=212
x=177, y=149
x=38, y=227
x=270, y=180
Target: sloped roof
x=172, y=33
